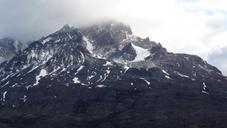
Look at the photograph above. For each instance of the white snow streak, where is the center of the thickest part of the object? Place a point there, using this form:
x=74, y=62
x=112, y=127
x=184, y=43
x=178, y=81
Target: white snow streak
x=108, y=63
x=89, y=46
x=204, y=88
x=42, y=73
x=182, y=75
x=146, y=81
x=46, y=40
x=79, y=69
x=4, y=96
x=165, y=72
x=167, y=77
x=126, y=68
x=101, y=86
x=76, y=80
x=141, y=53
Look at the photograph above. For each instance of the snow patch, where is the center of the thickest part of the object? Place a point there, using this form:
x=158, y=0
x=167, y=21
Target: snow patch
x=167, y=77
x=24, y=98
x=89, y=46
x=101, y=86
x=5, y=78
x=4, y=96
x=108, y=63
x=56, y=41
x=29, y=86
x=54, y=70
x=76, y=80
x=146, y=81
x=205, y=88
x=70, y=37
x=79, y=69
x=108, y=71
x=42, y=73
x=33, y=68
x=5, y=84
x=93, y=74
x=82, y=57
x=100, y=78
x=205, y=68
x=141, y=53
x=46, y=40
x=187, y=58
x=104, y=78
x=130, y=37
x=126, y=68
x=64, y=69
x=15, y=84
x=182, y=75
x=165, y=72
x=205, y=92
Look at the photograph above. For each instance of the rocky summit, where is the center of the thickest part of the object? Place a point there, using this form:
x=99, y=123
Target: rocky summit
x=104, y=76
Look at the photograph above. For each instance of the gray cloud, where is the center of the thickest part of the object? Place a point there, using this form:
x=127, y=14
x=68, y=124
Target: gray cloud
x=30, y=19
x=219, y=59
x=26, y=20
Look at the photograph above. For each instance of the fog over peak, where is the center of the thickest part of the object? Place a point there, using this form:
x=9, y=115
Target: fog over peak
x=187, y=26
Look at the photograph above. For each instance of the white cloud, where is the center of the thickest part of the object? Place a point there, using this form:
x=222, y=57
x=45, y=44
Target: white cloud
x=219, y=58
x=207, y=5
x=195, y=26
x=173, y=23
x=189, y=26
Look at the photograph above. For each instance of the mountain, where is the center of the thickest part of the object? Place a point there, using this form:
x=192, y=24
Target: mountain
x=103, y=76
x=9, y=48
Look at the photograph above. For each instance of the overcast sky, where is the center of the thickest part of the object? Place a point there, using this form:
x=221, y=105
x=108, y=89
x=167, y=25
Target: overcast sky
x=186, y=26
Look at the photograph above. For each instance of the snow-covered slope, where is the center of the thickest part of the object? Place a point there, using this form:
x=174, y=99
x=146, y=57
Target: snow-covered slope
x=141, y=53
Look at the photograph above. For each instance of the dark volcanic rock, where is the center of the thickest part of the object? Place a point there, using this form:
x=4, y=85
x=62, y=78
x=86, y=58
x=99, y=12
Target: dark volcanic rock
x=105, y=77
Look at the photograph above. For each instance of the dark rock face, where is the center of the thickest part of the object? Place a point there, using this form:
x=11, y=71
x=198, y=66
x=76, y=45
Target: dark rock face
x=128, y=52
x=105, y=77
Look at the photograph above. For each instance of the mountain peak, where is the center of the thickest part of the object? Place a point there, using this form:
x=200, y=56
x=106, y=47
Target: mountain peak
x=110, y=27
x=67, y=27
x=116, y=26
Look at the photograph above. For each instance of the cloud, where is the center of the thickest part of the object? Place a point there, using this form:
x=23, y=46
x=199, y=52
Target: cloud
x=219, y=58
x=188, y=26
x=31, y=19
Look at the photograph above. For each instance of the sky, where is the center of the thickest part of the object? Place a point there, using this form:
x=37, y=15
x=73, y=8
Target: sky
x=182, y=26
